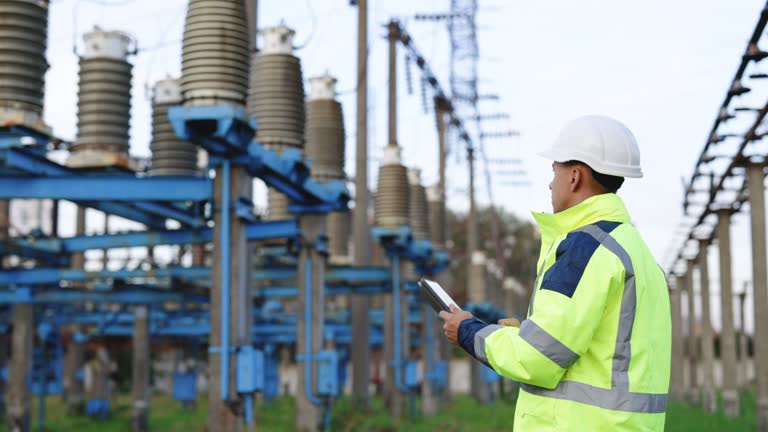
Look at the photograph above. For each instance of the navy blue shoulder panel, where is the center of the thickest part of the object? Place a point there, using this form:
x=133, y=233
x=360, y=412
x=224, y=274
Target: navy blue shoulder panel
x=571, y=259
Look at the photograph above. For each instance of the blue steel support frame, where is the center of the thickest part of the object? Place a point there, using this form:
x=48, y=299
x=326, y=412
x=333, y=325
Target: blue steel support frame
x=12, y=136
x=46, y=276
x=136, y=295
x=225, y=132
x=27, y=161
x=106, y=188
x=49, y=276
x=254, y=231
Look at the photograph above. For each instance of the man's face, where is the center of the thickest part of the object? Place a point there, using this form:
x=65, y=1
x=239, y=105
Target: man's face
x=560, y=187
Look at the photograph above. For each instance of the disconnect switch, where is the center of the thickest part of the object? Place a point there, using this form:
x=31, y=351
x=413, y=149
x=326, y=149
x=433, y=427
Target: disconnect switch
x=327, y=373
x=250, y=370
x=411, y=374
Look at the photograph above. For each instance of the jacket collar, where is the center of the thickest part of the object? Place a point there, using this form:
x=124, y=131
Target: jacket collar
x=597, y=208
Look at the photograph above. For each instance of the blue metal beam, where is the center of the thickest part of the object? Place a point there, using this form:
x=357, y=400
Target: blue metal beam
x=126, y=211
x=32, y=163
x=336, y=276
x=330, y=290
x=48, y=276
x=369, y=273
x=13, y=135
x=9, y=247
x=171, y=211
x=132, y=296
x=254, y=231
x=265, y=230
x=107, y=188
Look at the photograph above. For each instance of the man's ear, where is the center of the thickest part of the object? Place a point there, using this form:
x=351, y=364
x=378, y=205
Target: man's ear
x=577, y=178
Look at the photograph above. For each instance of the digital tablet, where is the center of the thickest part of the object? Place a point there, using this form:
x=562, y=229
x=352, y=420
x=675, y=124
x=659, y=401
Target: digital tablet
x=436, y=295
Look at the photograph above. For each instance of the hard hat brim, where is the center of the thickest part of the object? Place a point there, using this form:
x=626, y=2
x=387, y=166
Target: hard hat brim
x=556, y=156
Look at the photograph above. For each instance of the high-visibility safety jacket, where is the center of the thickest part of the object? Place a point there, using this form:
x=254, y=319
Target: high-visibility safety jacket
x=594, y=351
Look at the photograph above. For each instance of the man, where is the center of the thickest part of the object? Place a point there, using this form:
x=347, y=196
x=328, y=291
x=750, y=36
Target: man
x=594, y=351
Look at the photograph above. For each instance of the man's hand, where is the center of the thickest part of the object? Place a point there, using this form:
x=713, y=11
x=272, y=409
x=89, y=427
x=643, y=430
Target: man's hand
x=509, y=322
x=452, y=321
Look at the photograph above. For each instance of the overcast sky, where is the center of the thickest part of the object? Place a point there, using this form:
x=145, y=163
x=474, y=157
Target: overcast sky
x=661, y=67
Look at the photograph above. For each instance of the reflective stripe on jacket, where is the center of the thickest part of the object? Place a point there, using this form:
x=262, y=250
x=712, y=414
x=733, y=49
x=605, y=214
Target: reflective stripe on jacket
x=594, y=351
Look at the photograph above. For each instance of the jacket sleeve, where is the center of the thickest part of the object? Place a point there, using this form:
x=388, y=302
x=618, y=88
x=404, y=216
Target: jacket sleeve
x=568, y=308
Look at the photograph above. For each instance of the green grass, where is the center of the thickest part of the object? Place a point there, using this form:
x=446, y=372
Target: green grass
x=460, y=414
x=683, y=418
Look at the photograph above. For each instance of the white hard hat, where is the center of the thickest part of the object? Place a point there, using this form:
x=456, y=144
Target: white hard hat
x=605, y=144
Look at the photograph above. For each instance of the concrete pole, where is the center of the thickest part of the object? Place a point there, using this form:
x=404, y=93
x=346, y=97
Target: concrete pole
x=100, y=368
x=677, y=380
x=312, y=269
x=251, y=12
x=694, y=394
x=73, y=387
x=19, y=370
x=727, y=332
x=707, y=335
x=755, y=181
x=140, y=375
x=361, y=304
x=388, y=387
x=74, y=392
x=393, y=34
x=393, y=397
x=22, y=338
x=405, y=338
x=476, y=291
x=225, y=414
x=444, y=279
x=432, y=330
x=434, y=353
x=5, y=338
x=743, y=341
x=396, y=399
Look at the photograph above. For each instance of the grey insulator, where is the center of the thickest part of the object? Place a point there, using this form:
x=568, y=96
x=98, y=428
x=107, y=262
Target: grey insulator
x=277, y=203
x=419, y=212
x=338, y=228
x=103, y=105
x=277, y=206
x=325, y=138
x=391, y=201
x=23, y=36
x=215, y=53
x=171, y=156
x=276, y=99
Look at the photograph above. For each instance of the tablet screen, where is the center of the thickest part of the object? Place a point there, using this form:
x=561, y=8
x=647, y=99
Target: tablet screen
x=444, y=297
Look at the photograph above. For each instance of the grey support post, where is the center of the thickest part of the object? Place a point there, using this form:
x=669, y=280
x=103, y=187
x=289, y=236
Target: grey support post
x=694, y=393
x=728, y=332
x=709, y=400
x=677, y=380
x=755, y=181
x=310, y=333
x=360, y=304
x=225, y=406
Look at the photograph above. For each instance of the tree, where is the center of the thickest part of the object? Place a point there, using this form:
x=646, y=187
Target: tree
x=517, y=243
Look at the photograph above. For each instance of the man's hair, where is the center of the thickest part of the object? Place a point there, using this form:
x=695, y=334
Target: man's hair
x=609, y=182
